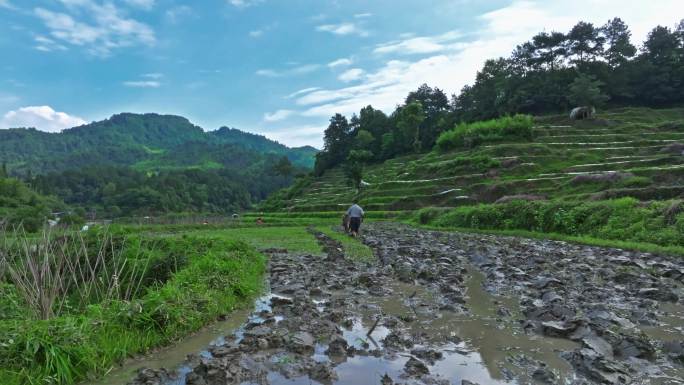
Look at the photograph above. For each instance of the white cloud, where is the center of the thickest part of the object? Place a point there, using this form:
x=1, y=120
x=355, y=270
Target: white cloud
x=244, y=3
x=42, y=118
x=101, y=28
x=278, y=115
x=6, y=4
x=153, y=75
x=46, y=44
x=179, y=13
x=340, y=63
x=295, y=136
x=449, y=62
x=298, y=70
x=142, y=83
x=256, y=33
x=342, y=29
x=363, y=15
x=351, y=75
x=302, y=91
x=420, y=45
x=144, y=4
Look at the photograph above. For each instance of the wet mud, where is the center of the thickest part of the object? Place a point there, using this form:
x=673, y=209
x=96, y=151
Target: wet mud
x=452, y=308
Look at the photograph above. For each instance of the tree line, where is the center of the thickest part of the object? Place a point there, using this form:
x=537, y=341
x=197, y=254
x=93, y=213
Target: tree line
x=589, y=65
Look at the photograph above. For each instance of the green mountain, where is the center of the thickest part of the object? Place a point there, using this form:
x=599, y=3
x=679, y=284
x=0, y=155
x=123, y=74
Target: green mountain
x=128, y=140
x=150, y=164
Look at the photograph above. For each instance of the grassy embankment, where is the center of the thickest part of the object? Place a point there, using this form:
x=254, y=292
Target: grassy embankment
x=169, y=283
x=617, y=181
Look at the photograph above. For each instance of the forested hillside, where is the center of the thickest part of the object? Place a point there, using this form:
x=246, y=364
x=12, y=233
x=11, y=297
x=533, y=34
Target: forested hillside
x=128, y=139
x=132, y=164
x=555, y=71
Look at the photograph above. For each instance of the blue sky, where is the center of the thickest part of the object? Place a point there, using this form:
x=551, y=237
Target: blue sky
x=275, y=67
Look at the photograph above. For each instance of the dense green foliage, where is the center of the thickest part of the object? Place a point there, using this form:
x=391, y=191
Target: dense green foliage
x=180, y=168
x=552, y=73
x=149, y=164
x=189, y=281
x=626, y=219
x=120, y=191
x=128, y=139
x=468, y=135
x=19, y=205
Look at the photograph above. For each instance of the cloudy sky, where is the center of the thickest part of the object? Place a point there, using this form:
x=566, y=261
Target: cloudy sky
x=276, y=67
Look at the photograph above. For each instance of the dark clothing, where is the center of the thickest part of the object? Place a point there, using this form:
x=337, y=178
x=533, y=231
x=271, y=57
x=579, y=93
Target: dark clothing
x=355, y=224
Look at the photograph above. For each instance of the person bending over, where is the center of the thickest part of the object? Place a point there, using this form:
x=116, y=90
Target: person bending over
x=355, y=213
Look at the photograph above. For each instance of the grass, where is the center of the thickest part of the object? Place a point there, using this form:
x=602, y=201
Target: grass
x=468, y=135
x=353, y=248
x=626, y=219
x=195, y=277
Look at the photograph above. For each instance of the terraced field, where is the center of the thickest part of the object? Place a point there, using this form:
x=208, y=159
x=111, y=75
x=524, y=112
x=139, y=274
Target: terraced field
x=624, y=152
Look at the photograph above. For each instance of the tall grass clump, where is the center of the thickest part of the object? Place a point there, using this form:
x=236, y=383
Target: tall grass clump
x=469, y=135
x=72, y=305
x=624, y=219
x=53, y=272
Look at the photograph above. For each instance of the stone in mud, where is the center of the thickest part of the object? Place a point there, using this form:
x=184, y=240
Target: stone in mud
x=337, y=347
x=302, y=342
x=551, y=297
x=415, y=367
x=194, y=379
x=633, y=346
x=281, y=301
x=148, y=376
x=322, y=372
x=659, y=294
x=397, y=340
x=558, y=328
x=674, y=350
x=598, y=345
x=543, y=375
x=466, y=382
x=386, y=380
x=428, y=355
x=544, y=282
x=597, y=368
x=223, y=350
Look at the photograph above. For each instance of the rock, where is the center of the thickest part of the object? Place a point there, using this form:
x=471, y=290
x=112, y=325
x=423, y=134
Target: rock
x=302, y=342
x=633, y=346
x=659, y=294
x=386, y=380
x=466, y=382
x=674, y=350
x=337, y=347
x=322, y=372
x=544, y=282
x=598, y=345
x=558, y=328
x=415, y=367
x=148, y=376
x=428, y=355
x=543, y=375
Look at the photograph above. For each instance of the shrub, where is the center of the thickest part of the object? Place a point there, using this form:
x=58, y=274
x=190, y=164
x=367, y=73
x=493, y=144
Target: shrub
x=624, y=219
x=468, y=135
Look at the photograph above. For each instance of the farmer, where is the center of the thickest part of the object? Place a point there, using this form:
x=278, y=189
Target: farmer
x=355, y=213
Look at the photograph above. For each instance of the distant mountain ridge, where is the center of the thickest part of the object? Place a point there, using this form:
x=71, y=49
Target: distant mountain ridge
x=127, y=139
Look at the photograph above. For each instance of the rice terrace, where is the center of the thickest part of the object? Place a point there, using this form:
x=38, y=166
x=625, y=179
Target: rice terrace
x=418, y=193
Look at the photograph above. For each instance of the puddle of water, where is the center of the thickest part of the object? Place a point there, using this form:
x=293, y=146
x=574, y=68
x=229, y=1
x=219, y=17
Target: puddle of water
x=489, y=347
x=173, y=356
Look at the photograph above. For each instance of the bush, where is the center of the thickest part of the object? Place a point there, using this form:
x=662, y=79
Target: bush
x=625, y=219
x=468, y=135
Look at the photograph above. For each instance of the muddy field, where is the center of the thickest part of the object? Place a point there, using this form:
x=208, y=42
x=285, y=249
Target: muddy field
x=451, y=308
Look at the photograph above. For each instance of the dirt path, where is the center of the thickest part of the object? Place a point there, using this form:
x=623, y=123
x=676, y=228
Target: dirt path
x=442, y=308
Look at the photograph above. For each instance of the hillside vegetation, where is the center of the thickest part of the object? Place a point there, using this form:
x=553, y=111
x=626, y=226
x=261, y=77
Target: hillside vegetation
x=132, y=164
x=619, y=176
